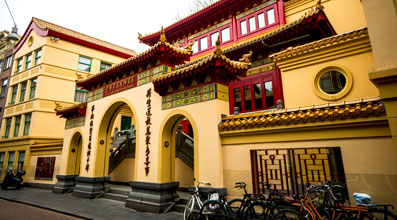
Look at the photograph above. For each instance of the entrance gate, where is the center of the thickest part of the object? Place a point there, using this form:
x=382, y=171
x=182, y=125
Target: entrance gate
x=289, y=170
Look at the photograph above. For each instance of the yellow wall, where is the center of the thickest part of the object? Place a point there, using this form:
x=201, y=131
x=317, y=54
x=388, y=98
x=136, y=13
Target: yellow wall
x=364, y=173
x=183, y=173
x=32, y=167
x=338, y=13
x=124, y=172
x=298, y=73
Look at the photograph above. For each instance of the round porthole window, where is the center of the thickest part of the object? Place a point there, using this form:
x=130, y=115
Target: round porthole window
x=30, y=41
x=332, y=83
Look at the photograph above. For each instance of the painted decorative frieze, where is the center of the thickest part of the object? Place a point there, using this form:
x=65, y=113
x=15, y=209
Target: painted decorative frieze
x=196, y=95
x=128, y=83
x=257, y=8
x=75, y=123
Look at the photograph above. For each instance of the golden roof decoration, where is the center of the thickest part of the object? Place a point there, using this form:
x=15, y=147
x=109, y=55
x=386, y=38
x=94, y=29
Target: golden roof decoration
x=189, y=46
x=45, y=24
x=139, y=36
x=59, y=109
x=218, y=50
x=200, y=62
x=162, y=35
x=319, y=44
x=246, y=57
x=137, y=57
x=326, y=112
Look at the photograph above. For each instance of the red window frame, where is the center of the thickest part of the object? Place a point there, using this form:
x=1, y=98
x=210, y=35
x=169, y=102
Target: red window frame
x=208, y=35
x=255, y=14
x=272, y=75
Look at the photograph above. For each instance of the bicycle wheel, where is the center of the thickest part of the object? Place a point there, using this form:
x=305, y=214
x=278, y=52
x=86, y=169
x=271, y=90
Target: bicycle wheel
x=378, y=214
x=256, y=210
x=213, y=210
x=234, y=205
x=287, y=214
x=187, y=213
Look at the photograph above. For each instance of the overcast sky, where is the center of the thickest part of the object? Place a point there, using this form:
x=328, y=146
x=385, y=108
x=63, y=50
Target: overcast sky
x=115, y=21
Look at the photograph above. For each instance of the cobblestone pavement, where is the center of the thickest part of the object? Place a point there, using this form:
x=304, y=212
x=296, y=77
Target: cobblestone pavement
x=13, y=210
x=77, y=207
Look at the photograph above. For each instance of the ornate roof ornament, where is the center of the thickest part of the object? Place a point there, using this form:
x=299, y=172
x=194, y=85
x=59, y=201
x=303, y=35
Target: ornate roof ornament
x=189, y=46
x=80, y=76
x=176, y=44
x=218, y=50
x=58, y=106
x=162, y=35
x=139, y=36
x=319, y=6
x=246, y=58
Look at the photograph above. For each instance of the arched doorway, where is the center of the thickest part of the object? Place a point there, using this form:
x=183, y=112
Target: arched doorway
x=115, y=155
x=75, y=150
x=178, y=150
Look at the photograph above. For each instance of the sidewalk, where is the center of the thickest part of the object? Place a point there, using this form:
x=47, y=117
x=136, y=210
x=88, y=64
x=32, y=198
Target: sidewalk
x=82, y=208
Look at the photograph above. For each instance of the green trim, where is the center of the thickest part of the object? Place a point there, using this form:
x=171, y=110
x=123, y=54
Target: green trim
x=20, y=161
x=28, y=60
x=102, y=68
x=37, y=57
x=84, y=64
x=14, y=94
x=17, y=125
x=23, y=91
x=8, y=127
x=26, y=125
x=33, y=88
x=19, y=65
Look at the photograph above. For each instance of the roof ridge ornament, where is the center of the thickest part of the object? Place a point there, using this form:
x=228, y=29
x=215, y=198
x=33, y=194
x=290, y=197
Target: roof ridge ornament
x=58, y=106
x=162, y=35
x=319, y=7
x=139, y=36
x=246, y=57
x=189, y=46
x=218, y=51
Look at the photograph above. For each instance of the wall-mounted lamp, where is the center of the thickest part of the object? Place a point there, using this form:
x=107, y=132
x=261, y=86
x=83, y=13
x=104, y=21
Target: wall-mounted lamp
x=54, y=39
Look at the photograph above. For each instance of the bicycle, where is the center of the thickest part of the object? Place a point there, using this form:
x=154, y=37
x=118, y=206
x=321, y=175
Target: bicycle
x=194, y=201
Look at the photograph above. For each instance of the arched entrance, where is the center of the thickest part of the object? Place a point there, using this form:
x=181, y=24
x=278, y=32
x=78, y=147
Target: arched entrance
x=178, y=150
x=116, y=149
x=75, y=150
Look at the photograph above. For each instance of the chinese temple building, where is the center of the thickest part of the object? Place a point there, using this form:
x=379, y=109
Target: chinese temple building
x=259, y=90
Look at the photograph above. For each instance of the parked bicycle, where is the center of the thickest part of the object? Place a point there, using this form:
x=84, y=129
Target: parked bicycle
x=328, y=203
x=194, y=201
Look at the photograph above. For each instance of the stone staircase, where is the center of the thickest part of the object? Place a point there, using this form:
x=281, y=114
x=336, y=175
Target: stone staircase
x=119, y=193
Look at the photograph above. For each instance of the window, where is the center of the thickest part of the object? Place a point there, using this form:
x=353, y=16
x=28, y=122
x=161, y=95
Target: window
x=23, y=92
x=80, y=95
x=332, y=82
x=8, y=62
x=21, y=160
x=258, y=20
x=256, y=92
x=28, y=62
x=8, y=127
x=27, y=124
x=11, y=156
x=33, y=84
x=270, y=17
x=195, y=47
x=203, y=43
x=104, y=66
x=225, y=34
x=19, y=65
x=214, y=38
x=261, y=20
x=2, y=156
x=84, y=64
x=252, y=24
x=3, y=87
x=14, y=94
x=37, y=58
x=1, y=65
x=17, y=125
x=243, y=26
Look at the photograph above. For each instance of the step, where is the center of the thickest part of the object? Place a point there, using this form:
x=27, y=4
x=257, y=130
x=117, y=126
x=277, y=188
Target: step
x=115, y=196
x=120, y=191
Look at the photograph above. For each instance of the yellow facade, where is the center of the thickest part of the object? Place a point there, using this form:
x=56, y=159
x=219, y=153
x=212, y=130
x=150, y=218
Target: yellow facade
x=54, y=68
